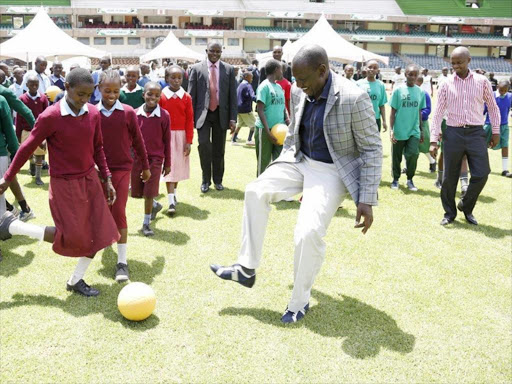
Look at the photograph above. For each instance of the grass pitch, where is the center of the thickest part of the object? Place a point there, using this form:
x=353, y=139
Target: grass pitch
x=410, y=301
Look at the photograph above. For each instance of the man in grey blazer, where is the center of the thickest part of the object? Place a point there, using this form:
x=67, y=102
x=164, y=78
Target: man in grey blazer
x=213, y=87
x=333, y=147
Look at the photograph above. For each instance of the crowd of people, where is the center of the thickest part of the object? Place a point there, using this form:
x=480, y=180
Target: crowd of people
x=116, y=132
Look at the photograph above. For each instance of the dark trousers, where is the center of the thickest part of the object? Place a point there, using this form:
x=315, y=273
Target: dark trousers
x=410, y=149
x=458, y=142
x=212, y=145
x=379, y=124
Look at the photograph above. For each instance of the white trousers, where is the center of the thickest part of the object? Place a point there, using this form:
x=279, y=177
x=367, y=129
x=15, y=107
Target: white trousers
x=322, y=193
x=4, y=165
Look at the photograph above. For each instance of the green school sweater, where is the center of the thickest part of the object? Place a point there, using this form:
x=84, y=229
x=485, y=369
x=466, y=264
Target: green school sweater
x=133, y=99
x=17, y=105
x=8, y=141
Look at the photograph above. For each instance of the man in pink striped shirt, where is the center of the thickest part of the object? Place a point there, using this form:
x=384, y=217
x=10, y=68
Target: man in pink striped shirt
x=462, y=98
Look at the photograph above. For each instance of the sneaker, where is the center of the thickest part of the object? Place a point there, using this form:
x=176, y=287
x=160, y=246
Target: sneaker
x=156, y=208
x=82, y=288
x=32, y=169
x=292, y=317
x=39, y=181
x=122, y=273
x=234, y=272
x=432, y=168
x=404, y=170
x=250, y=143
x=26, y=216
x=437, y=184
x=411, y=186
x=46, y=167
x=146, y=230
x=506, y=174
x=5, y=222
x=394, y=184
x=172, y=209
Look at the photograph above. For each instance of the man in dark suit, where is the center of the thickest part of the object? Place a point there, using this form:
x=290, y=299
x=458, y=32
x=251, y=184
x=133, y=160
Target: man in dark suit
x=213, y=87
x=255, y=75
x=277, y=54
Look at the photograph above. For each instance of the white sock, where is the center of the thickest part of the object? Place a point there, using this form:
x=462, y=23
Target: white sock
x=18, y=227
x=504, y=162
x=170, y=196
x=81, y=267
x=147, y=219
x=121, y=253
x=430, y=158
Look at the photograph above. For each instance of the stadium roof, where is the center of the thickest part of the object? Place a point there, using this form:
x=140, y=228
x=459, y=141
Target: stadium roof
x=489, y=8
x=382, y=7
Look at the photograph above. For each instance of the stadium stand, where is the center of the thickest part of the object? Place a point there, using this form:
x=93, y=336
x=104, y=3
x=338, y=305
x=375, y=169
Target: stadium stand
x=47, y=3
x=427, y=61
x=489, y=8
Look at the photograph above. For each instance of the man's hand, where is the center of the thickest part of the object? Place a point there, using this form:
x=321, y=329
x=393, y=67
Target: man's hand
x=384, y=126
x=187, y=149
x=111, y=192
x=364, y=210
x=422, y=139
x=433, y=150
x=145, y=175
x=392, y=137
x=4, y=185
x=166, y=171
x=495, y=140
x=232, y=126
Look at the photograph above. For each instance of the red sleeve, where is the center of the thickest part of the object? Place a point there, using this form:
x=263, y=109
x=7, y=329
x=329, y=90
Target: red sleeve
x=166, y=128
x=45, y=102
x=137, y=140
x=42, y=129
x=99, y=154
x=189, y=120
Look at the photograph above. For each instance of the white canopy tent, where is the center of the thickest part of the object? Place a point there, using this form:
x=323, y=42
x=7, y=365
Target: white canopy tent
x=338, y=49
x=42, y=37
x=171, y=47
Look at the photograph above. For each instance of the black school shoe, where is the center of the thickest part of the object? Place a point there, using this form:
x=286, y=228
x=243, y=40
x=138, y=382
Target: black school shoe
x=146, y=230
x=122, y=273
x=156, y=208
x=171, y=210
x=5, y=222
x=83, y=288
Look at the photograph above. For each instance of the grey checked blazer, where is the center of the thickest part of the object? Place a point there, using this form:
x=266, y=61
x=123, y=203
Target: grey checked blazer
x=351, y=134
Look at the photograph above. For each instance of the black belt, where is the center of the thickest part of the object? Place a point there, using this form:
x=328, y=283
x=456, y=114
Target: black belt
x=469, y=126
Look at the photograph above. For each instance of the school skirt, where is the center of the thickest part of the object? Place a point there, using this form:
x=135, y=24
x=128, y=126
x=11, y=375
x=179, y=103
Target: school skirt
x=121, y=183
x=180, y=164
x=81, y=215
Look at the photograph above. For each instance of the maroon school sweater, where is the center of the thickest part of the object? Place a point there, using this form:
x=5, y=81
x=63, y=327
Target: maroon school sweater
x=37, y=107
x=156, y=132
x=121, y=132
x=75, y=144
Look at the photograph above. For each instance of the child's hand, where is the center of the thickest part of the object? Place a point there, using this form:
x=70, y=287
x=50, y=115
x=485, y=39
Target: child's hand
x=111, y=192
x=392, y=136
x=145, y=175
x=188, y=147
x=433, y=149
x=384, y=126
x=495, y=140
x=422, y=139
x=167, y=170
x=4, y=185
x=43, y=145
x=272, y=138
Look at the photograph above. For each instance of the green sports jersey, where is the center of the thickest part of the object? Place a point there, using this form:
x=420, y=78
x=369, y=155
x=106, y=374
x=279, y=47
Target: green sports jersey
x=272, y=95
x=377, y=92
x=408, y=102
x=133, y=99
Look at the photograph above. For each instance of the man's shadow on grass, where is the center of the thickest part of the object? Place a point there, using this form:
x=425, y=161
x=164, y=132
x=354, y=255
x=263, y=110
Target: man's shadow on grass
x=486, y=230
x=79, y=306
x=365, y=329
x=12, y=262
x=226, y=194
x=139, y=271
x=187, y=210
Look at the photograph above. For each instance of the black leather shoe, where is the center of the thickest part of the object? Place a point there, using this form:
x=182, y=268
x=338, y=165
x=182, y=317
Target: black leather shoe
x=5, y=222
x=82, y=288
x=460, y=206
x=471, y=219
x=446, y=221
x=205, y=187
x=219, y=187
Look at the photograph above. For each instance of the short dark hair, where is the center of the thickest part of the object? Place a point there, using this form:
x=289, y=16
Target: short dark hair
x=169, y=68
x=79, y=76
x=271, y=66
x=151, y=84
x=109, y=75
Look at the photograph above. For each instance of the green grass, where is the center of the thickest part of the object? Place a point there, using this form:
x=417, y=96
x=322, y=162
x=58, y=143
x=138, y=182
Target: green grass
x=489, y=8
x=60, y=3
x=410, y=301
